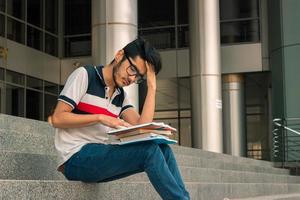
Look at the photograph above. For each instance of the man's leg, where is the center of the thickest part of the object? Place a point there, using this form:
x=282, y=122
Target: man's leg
x=173, y=167
x=98, y=162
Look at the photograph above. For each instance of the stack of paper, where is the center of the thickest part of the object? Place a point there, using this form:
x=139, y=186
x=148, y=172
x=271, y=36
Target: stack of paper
x=157, y=132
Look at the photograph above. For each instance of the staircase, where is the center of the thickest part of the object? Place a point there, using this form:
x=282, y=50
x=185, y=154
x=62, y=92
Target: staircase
x=28, y=171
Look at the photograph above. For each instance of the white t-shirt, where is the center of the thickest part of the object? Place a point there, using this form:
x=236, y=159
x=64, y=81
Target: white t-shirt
x=86, y=92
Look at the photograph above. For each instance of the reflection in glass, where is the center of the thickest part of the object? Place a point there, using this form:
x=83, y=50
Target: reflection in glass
x=2, y=25
x=15, y=77
x=34, y=105
x=1, y=74
x=161, y=38
x=183, y=36
x=51, y=45
x=51, y=87
x=167, y=94
x=236, y=9
x=34, y=83
x=2, y=97
x=78, y=46
x=182, y=9
x=156, y=13
x=77, y=17
x=16, y=8
x=15, y=30
x=2, y=5
x=50, y=102
x=185, y=132
x=184, y=93
x=34, y=38
x=35, y=12
x=51, y=16
x=240, y=31
x=14, y=100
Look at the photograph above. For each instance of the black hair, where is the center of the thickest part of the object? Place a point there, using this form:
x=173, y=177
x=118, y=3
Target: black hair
x=140, y=47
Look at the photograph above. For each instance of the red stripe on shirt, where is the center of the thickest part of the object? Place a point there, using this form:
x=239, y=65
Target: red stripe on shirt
x=94, y=109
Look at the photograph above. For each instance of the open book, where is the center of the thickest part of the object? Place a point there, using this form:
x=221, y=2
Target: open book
x=158, y=132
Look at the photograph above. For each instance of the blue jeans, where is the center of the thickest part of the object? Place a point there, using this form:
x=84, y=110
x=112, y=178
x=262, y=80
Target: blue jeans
x=102, y=163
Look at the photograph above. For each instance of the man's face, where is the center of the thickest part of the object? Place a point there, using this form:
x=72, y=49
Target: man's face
x=128, y=71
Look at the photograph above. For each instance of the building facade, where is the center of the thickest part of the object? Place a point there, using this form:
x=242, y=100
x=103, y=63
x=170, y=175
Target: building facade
x=229, y=66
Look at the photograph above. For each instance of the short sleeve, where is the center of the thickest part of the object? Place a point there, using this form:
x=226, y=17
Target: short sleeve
x=126, y=104
x=75, y=87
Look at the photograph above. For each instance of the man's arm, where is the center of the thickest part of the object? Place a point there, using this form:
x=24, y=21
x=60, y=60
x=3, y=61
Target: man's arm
x=131, y=116
x=64, y=118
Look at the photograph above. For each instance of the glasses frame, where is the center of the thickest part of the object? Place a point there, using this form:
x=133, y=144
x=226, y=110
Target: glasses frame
x=138, y=76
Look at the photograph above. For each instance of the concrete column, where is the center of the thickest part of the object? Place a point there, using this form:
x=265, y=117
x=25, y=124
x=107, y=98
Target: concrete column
x=114, y=24
x=234, y=115
x=206, y=75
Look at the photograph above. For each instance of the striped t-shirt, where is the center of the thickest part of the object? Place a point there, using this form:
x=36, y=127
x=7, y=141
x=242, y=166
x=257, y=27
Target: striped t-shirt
x=86, y=92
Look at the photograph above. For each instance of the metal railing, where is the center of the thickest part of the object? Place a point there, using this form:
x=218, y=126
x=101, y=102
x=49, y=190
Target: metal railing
x=286, y=142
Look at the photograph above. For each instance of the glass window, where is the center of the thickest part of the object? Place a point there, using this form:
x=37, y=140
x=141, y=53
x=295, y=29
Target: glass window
x=78, y=46
x=34, y=38
x=51, y=16
x=155, y=13
x=1, y=74
x=167, y=95
x=185, y=132
x=16, y=8
x=183, y=36
x=162, y=38
x=241, y=31
x=34, y=105
x=61, y=87
x=15, y=77
x=2, y=25
x=182, y=9
x=51, y=87
x=35, y=12
x=2, y=98
x=2, y=5
x=77, y=17
x=184, y=93
x=34, y=83
x=15, y=30
x=50, y=102
x=235, y=9
x=51, y=45
x=14, y=100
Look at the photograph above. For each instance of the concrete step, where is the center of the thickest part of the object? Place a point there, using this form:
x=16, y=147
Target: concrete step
x=212, y=155
x=36, y=143
x=192, y=161
x=23, y=125
x=15, y=165
x=206, y=175
x=26, y=142
x=42, y=167
x=61, y=190
x=39, y=128
x=27, y=166
x=295, y=196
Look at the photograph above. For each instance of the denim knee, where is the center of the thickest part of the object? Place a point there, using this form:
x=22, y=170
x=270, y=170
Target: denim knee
x=150, y=148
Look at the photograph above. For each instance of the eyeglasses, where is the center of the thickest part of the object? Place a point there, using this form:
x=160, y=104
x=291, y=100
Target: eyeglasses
x=132, y=70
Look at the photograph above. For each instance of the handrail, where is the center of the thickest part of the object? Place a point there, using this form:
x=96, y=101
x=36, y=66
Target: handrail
x=287, y=128
x=286, y=140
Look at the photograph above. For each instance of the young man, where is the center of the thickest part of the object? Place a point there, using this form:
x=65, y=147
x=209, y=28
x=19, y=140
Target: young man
x=92, y=102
